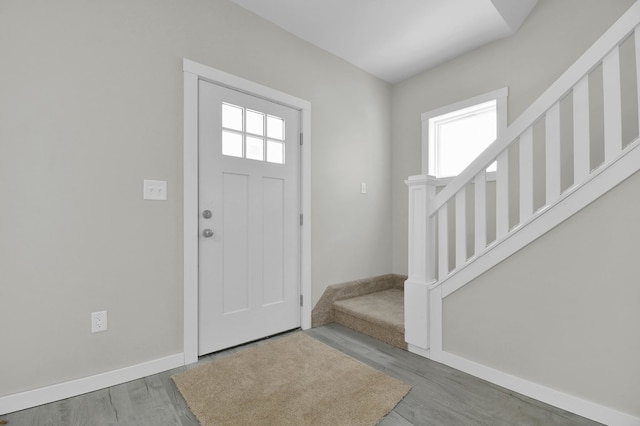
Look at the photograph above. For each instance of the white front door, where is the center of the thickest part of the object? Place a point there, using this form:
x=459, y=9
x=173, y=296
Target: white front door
x=249, y=205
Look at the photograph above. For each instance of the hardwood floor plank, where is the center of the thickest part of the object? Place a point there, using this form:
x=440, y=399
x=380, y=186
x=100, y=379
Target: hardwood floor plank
x=184, y=414
x=442, y=395
x=439, y=396
x=394, y=419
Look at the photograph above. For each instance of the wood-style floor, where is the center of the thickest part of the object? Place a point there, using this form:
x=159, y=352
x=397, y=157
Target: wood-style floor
x=439, y=395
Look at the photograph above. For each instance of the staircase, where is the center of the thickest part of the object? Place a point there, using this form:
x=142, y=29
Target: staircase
x=447, y=251
x=575, y=143
x=379, y=315
x=372, y=306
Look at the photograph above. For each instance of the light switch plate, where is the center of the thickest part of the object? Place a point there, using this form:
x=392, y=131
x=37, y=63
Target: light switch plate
x=155, y=190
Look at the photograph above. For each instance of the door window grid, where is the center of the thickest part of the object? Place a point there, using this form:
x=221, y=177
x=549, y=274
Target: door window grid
x=253, y=135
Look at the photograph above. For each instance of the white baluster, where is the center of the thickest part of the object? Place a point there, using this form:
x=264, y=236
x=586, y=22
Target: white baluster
x=443, y=243
x=461, y=228
x=612, y=105
x=636, y=34
x=581, y=149
x=502, y=195
x=552, y=153
x=480, y=188
x=526, y=175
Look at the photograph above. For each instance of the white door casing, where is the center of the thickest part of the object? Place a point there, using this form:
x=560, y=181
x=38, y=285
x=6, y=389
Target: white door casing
x=249, y=250
x=193, y=74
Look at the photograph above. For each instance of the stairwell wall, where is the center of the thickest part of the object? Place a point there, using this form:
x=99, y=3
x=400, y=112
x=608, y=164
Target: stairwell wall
x=562, y=312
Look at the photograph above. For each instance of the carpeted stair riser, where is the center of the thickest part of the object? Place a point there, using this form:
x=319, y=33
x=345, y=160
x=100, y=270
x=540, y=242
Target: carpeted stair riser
x=379, y=315
x=384, y=334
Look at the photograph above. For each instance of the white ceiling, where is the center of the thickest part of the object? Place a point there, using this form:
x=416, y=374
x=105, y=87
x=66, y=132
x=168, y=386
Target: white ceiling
x=395, y=39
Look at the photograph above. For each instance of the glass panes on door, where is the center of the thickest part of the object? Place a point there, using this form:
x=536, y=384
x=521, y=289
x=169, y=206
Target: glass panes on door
x=275, y=141
x=232, y=144
x=255, y=123
x=253, y=135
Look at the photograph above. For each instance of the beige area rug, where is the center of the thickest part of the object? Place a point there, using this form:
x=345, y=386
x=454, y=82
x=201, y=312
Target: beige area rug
x=293, y=380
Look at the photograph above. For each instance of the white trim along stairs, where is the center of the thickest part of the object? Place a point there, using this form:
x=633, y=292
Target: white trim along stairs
x=431, y=278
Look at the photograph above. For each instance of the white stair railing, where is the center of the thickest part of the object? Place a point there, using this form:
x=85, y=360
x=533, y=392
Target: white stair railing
x=432, y=276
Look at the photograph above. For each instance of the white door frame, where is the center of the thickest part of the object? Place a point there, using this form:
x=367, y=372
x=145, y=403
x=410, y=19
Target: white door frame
x=193, y=72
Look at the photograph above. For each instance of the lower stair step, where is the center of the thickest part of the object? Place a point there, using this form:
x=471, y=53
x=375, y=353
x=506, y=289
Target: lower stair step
x=379, y=315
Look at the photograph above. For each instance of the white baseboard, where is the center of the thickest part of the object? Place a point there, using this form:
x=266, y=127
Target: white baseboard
x=33, y=398
x=584, y=408
x=418, y=351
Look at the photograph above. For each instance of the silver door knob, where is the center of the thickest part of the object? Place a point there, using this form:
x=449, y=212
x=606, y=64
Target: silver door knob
x=207, y=214
x=207, y=233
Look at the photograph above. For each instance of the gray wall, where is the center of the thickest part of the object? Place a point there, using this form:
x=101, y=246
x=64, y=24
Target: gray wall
x=90, y=105
x=554, y=35
x=563, y=312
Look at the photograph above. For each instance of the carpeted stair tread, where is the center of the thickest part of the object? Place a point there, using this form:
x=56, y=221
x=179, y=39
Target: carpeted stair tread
x=385, y=308
x=379, y=315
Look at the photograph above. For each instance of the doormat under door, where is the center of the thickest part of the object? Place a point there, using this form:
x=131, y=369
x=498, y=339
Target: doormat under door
x=293, y=380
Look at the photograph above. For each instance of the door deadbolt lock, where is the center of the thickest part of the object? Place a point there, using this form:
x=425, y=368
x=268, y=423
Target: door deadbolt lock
x=207, y=233
x=207, y=214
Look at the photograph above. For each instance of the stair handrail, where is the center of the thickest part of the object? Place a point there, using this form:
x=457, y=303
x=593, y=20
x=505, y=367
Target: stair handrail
x=615, y=35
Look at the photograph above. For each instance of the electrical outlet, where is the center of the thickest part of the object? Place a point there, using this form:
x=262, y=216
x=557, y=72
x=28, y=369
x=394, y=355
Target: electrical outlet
x=363, y=188
x=154, y=190
x=98, y=321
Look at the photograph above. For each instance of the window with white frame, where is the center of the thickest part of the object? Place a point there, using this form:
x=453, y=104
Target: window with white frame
x=456, y=134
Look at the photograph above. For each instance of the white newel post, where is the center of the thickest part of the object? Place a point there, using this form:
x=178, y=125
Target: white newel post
x=422, y=261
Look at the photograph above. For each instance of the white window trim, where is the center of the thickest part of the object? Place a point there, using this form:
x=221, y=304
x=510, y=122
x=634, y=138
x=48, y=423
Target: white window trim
x=499, y=95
